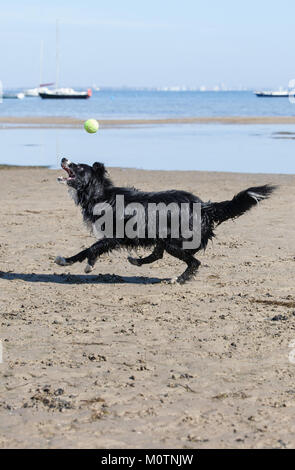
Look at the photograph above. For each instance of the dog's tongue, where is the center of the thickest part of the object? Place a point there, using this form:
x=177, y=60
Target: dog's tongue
x=62, y=179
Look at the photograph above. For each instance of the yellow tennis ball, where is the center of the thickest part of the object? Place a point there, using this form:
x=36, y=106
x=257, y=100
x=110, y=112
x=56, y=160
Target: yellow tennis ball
x=91, y=126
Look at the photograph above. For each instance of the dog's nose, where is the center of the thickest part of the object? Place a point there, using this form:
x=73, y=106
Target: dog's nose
x=64, y=160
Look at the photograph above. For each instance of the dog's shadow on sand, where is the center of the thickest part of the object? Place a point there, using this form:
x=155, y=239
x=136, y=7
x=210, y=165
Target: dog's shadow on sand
x=80, y=278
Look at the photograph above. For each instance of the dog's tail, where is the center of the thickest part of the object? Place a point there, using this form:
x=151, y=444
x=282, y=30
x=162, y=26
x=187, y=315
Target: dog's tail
x=221, y=211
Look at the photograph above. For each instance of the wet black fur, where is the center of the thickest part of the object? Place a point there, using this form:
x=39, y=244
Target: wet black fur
x=92, y=186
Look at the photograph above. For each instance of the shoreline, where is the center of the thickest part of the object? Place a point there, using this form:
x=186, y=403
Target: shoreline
x=15, y=122
x=6, y=166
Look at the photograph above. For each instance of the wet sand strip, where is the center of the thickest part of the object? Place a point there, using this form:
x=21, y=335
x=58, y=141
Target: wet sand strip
x=8, y=122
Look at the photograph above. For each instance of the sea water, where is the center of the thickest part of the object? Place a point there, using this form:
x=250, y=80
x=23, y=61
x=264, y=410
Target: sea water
x=212, y=147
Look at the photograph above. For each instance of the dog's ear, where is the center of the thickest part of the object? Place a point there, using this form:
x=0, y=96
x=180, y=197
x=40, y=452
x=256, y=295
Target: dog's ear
x=99, y=169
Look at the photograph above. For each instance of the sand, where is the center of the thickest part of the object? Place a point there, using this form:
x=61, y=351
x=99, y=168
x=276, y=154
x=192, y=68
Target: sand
x=49, y=122
x=117, y=359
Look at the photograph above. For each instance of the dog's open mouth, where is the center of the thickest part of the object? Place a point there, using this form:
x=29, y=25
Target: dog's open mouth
x=69, y=172
x=71, y=175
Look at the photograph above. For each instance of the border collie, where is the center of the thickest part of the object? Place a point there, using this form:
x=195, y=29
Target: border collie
x=90, y=185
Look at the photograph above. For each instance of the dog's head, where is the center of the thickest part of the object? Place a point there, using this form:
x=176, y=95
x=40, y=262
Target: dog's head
x=80, y=175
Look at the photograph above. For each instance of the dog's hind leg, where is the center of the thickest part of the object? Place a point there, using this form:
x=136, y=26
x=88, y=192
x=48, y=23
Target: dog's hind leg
x=79, y=257
x=192, y=263
x=97, y=249
x=154, y=256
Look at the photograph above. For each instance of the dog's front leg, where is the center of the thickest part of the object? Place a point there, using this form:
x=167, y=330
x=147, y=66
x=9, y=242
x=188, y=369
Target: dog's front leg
x=61, y=261
x=97, y=249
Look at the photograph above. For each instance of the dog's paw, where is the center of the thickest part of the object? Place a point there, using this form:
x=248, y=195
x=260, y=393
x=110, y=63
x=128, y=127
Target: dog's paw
x=134, y=261
x=175, y=280
x=61, y=261
x=169, y=280
x=88, y=268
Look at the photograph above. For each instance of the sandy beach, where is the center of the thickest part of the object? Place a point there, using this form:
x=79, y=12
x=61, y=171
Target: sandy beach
x=117, y=359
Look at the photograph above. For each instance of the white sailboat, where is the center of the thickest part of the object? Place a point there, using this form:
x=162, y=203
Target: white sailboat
x=33, y=92
x=272, y=94
x=63, y=93
x=280, y=93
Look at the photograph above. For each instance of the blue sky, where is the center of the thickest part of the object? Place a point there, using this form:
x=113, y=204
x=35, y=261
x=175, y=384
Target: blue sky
x=149, y=42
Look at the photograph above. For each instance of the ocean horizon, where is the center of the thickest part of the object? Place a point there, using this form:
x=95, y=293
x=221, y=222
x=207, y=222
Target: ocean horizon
x=132, y=104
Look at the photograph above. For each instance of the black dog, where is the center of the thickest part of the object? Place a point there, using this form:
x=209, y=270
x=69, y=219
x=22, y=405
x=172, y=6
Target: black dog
x=91, y=185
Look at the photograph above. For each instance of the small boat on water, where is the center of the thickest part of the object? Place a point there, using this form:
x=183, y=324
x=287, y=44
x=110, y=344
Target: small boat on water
x=65, y=93
x=272, y=94
x=18, y=96
x=34, y=92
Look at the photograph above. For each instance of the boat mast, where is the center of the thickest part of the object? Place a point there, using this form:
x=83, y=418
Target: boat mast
x=57, y=55
x=41, y=62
